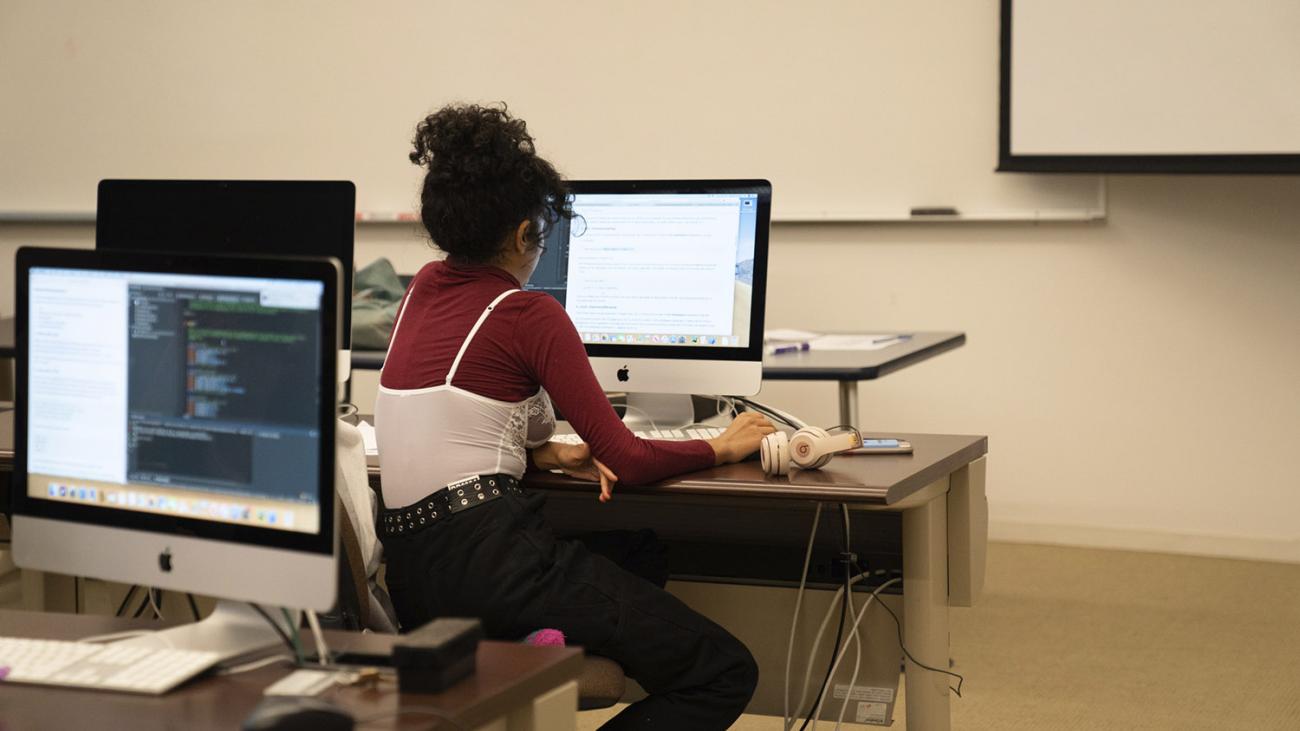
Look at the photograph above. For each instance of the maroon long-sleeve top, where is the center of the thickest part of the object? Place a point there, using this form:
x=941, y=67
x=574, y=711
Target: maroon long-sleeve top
x=528, y=341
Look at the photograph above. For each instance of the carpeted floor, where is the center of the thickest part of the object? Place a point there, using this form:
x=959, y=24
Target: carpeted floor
x=1068, y=638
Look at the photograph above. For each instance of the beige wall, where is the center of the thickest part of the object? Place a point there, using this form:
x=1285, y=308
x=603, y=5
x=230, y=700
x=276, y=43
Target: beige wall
x=1138, y=379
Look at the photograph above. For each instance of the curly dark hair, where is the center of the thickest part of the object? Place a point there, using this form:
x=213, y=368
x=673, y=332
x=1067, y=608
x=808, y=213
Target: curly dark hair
x=484, y=179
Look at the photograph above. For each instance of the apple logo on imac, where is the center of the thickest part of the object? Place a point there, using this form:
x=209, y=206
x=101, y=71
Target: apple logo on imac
x=623, y=374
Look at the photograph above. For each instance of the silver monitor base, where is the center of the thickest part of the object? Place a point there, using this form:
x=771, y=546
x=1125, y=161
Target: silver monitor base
x=233, y=629
x=648, y=411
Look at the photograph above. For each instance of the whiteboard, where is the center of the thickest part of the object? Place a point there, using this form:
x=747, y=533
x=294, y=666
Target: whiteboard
x=854, y=109
x=1150, y=77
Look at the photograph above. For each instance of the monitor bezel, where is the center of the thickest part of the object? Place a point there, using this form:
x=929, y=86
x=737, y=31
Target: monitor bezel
x=324, y=270
x=284, y=203
x=758, y=306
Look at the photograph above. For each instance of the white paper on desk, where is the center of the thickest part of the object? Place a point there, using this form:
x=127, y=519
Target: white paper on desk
x=368, y=438
x=788, y=336
x=304, y=683
x=853, y=342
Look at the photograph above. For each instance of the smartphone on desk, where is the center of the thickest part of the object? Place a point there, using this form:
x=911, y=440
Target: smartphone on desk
x=883, y=446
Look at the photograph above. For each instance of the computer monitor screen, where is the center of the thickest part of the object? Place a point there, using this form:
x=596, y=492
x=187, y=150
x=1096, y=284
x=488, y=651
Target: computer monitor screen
x=266, y=217
x=663, y=270
x=177, y=396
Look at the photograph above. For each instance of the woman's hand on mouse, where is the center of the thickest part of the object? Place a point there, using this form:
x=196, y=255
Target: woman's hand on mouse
x=741, y=438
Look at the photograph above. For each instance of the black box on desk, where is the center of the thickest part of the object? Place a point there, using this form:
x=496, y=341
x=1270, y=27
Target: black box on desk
x=437, y=655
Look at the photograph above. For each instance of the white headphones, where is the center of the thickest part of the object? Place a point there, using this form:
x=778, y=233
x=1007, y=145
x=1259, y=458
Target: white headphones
x=809, y=448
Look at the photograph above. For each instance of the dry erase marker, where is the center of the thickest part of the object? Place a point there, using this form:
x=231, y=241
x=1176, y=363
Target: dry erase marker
x=923, y=211
x=386, y=217
x=789, y=348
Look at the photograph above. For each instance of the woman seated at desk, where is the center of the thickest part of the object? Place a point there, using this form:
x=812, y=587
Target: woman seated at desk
x=464, y=408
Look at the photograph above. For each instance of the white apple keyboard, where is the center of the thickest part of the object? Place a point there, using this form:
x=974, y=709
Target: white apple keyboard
x=127, y=668
x=693, y=432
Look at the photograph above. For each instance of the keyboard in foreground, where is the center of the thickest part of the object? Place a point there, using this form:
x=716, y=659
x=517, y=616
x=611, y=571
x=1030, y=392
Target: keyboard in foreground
x=128, y=668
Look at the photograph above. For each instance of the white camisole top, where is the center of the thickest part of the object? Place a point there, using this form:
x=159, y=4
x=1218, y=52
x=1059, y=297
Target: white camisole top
x=430, y=437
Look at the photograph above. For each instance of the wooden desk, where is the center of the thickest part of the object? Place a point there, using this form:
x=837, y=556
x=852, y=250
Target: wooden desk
x=514, y=687
x=870, y=481
x=929, y=506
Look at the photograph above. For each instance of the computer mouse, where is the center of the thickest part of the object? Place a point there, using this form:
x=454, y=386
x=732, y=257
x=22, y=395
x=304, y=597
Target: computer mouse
x=297, y=713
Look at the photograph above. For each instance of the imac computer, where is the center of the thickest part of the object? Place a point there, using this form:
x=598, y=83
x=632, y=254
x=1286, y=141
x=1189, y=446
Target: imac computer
x=665, y=281
x=175, y=429
x=266, y=217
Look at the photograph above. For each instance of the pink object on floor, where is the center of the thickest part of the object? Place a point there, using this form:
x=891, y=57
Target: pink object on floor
x=545, y=638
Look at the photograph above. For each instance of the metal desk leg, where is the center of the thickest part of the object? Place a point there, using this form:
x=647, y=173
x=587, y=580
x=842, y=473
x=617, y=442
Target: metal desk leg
x=849, y=402
x=555, y=710
x=925, y=613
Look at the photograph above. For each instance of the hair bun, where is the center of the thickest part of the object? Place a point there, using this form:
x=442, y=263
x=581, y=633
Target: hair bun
x=484, y=178
x=469, y=142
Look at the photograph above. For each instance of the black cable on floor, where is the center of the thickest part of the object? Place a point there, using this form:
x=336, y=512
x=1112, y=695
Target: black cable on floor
x=898, y=624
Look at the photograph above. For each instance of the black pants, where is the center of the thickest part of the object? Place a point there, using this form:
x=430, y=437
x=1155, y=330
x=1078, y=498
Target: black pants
x=501, y=563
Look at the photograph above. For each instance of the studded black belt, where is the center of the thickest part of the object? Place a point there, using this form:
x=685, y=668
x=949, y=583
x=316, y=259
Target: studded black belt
x=442, y=504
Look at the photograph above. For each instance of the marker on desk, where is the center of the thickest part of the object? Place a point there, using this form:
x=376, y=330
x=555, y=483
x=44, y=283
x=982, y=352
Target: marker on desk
x=899, y=338
x=934, y=211
x=386, y=217
x=788, y=348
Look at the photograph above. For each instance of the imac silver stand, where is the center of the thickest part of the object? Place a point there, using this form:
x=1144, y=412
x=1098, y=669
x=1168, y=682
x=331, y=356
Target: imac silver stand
x=647, y=411
x=234, y=630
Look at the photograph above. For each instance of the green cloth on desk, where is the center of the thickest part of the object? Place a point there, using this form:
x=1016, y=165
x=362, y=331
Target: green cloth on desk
x=374, y=305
